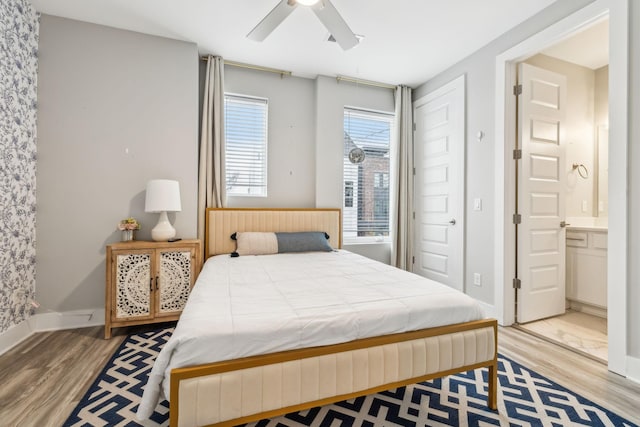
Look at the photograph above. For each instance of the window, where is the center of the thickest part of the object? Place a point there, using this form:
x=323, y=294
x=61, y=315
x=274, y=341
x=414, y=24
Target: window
x=366, y=183
x=245, y=121
x=381, y=196
x=381, y=180
x=348, y=194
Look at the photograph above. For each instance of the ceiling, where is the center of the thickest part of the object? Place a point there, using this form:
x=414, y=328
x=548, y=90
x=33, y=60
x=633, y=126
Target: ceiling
x=589, y=48
x=406, y=41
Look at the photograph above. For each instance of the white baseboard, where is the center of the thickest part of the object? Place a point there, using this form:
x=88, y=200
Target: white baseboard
x=14, y=336
x=588, y=309
x=51, y=321
x=633, y=369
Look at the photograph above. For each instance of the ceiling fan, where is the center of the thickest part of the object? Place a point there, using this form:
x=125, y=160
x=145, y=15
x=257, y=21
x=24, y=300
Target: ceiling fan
x=324, y=10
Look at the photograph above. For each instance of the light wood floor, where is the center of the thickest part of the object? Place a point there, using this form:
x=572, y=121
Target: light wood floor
x=43, y=378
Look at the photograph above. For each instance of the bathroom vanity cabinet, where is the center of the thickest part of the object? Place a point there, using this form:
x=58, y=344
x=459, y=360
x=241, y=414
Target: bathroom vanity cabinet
x=586, y=262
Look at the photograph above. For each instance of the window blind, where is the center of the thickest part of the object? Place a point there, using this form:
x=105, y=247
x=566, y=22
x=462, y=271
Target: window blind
x=366, y=184
x=245, y=122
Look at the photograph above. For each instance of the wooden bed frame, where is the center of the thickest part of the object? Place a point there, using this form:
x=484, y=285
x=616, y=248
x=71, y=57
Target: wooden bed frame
x=239, y=391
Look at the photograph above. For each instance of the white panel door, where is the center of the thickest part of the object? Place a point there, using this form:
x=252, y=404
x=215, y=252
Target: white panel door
x=439, y=185
x=541, y=194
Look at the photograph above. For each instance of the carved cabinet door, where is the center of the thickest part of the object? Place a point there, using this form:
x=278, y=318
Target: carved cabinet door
x=175, y=275
x=132, y=295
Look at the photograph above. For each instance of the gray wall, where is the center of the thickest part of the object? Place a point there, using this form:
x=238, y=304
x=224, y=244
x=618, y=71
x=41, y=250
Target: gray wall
x=116, y=109
x=291, y=142
x=601, y=111
x=331, y=98
x=103, y=91
x=633, y=280
x=305, y=141
x=18, y=79
x=479, y=69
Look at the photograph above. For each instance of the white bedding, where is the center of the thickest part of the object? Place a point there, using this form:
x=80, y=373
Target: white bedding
x=254, y=305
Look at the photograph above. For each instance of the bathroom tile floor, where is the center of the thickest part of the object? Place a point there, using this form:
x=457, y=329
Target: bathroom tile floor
x=573, y=330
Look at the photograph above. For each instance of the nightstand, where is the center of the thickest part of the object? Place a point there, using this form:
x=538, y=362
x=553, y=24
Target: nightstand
x=149, y=282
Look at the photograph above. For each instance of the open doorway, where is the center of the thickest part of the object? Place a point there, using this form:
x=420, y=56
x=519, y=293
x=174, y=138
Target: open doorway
x=561, y=192
x=617, y=259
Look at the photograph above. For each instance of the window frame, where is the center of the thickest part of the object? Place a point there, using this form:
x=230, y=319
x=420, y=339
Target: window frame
x=265, y=144
x=355, y=240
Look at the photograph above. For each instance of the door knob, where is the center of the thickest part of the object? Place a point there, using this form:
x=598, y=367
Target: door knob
x=453, y=221
x=563, y=224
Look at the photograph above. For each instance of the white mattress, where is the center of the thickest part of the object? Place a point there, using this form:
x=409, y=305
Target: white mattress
x=254, y=305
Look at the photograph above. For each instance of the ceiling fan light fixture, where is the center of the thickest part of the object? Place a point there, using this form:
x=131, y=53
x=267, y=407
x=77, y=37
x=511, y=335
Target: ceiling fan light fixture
x=324, y=10
x=307, y=2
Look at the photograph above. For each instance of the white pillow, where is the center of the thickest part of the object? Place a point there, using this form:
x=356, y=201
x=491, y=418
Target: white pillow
x=256, y=243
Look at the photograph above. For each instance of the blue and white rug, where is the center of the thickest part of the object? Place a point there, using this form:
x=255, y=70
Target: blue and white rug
x=524, y=399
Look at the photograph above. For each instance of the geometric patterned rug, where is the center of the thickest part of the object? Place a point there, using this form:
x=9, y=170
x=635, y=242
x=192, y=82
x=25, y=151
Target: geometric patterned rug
x=525, y=398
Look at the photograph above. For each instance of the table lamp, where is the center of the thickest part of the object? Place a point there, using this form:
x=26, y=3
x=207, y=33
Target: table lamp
x=163, y=195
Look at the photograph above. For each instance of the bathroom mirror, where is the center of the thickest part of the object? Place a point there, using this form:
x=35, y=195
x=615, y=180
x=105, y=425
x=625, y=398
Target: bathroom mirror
x=602, y=176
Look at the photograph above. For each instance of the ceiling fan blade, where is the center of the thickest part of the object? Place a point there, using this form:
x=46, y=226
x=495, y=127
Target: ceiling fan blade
x=272, y=20
x=330, y=17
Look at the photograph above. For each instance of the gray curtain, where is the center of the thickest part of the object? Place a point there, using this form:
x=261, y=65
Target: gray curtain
x=402, y=208
x=211, y=173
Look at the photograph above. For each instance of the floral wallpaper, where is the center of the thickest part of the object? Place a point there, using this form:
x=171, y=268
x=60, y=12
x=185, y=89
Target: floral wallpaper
x=18, y=77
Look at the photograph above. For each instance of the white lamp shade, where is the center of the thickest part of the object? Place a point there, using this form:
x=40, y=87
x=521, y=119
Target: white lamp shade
x=163, y=195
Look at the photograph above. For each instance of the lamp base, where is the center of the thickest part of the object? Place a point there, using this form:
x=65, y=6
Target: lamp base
x=163, y=230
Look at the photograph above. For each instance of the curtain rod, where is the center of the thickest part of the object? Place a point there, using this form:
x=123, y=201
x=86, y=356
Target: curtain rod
x=288, y=73
x=252, y=67
x=364, y=82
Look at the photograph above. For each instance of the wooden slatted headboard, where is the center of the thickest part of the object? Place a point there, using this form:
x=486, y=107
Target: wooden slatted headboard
x=222, y=222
